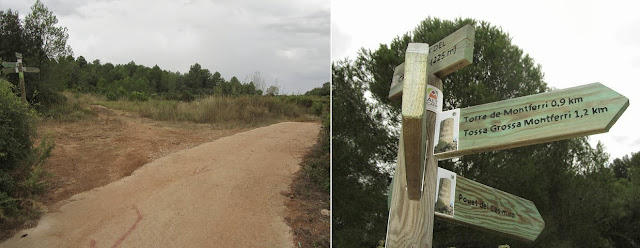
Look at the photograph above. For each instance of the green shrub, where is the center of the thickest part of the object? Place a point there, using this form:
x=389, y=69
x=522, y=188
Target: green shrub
x=317, y=107
x=138, y=96
x=21, y=172
x=317, y=162
x=186, y=97
x=116, y=94
x=47, y=97
x=75, y=107
x=15, y=128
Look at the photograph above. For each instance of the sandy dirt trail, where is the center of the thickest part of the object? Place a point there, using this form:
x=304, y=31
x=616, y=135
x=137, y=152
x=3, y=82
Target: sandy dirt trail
x=225, y=193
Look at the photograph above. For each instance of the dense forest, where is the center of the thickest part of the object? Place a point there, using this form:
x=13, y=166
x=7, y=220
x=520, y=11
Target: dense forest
x=585, y=200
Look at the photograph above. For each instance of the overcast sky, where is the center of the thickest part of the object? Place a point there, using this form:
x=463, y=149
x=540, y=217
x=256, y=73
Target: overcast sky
x=575, y=42
x=287, y=40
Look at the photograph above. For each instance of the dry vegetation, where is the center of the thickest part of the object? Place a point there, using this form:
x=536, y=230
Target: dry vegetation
x=221, y=110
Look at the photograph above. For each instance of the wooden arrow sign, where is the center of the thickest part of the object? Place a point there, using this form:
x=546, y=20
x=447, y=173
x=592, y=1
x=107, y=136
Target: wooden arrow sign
x=540, y=118
x=16, y=70
x=9, y=64
x=30, y=69
x=446, y=56
x=482, y=207
x=9, y=70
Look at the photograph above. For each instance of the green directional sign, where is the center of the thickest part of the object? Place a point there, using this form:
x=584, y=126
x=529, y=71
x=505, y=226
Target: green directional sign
x=9, y=64
x=534, y=119
x=30, y=69
x=483, y=207
x=9, y=70
x=445, y=56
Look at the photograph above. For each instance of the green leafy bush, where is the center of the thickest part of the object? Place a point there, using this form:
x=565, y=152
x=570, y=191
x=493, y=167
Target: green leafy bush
x=45, y=97
x=21, y=172
x=317, y=162
x=15, y=128
x=116, y=94
x=187, y=97
x=138, y=96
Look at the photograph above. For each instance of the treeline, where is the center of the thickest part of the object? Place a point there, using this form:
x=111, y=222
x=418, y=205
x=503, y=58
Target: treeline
x=117, y=81
x=44, y=45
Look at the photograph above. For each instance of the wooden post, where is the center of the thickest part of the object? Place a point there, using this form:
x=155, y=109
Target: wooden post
x=23, y=92
x=414, y=111
x=413, y=196
x=411, y=222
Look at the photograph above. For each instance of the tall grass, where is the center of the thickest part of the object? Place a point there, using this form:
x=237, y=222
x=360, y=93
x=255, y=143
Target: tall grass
x=223, y=110
x=71, y=106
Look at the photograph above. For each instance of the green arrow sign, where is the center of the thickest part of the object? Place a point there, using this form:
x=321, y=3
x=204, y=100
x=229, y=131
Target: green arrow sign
x=9, y=70
x=9, y=64
x=540, y=118
x=482, y=207
x=30, y=69
x=446, y=56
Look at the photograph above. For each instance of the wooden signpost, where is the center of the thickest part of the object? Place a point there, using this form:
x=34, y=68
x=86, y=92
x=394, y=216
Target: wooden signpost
x=412, y=208
x=17, y=67
x=422, y=102
x=551, y=116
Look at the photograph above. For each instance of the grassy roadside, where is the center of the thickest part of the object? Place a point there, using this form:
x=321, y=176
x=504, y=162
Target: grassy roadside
x=310, y=194
x=222, y=111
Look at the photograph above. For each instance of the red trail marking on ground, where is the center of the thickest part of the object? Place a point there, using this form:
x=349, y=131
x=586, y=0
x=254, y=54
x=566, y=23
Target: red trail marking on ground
x=94, y=243
x=201, y=170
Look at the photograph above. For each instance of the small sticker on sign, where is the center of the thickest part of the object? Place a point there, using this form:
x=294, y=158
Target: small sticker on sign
x=434, y=99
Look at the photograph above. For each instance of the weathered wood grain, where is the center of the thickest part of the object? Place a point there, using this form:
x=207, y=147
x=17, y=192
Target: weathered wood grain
x=9, y=70
x=31, y=69
x=9, y=64
x=395, y=91
x=21, y=77
x=485, y=208
x=411, y=222
x=413, y=116
x=540, y=118
x=446, y=56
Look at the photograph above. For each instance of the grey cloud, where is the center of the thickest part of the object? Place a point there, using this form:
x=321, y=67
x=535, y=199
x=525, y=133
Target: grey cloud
x=313, y=23
x=284, y=39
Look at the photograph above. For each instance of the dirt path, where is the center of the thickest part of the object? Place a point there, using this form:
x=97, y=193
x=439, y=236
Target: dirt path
x=225, y=193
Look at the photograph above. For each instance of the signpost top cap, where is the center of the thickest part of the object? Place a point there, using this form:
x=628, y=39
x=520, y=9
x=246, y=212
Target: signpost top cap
x=418, y=48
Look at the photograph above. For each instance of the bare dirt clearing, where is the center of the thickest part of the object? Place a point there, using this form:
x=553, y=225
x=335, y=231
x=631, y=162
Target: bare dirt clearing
x=94, y=152
x=227, y=193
